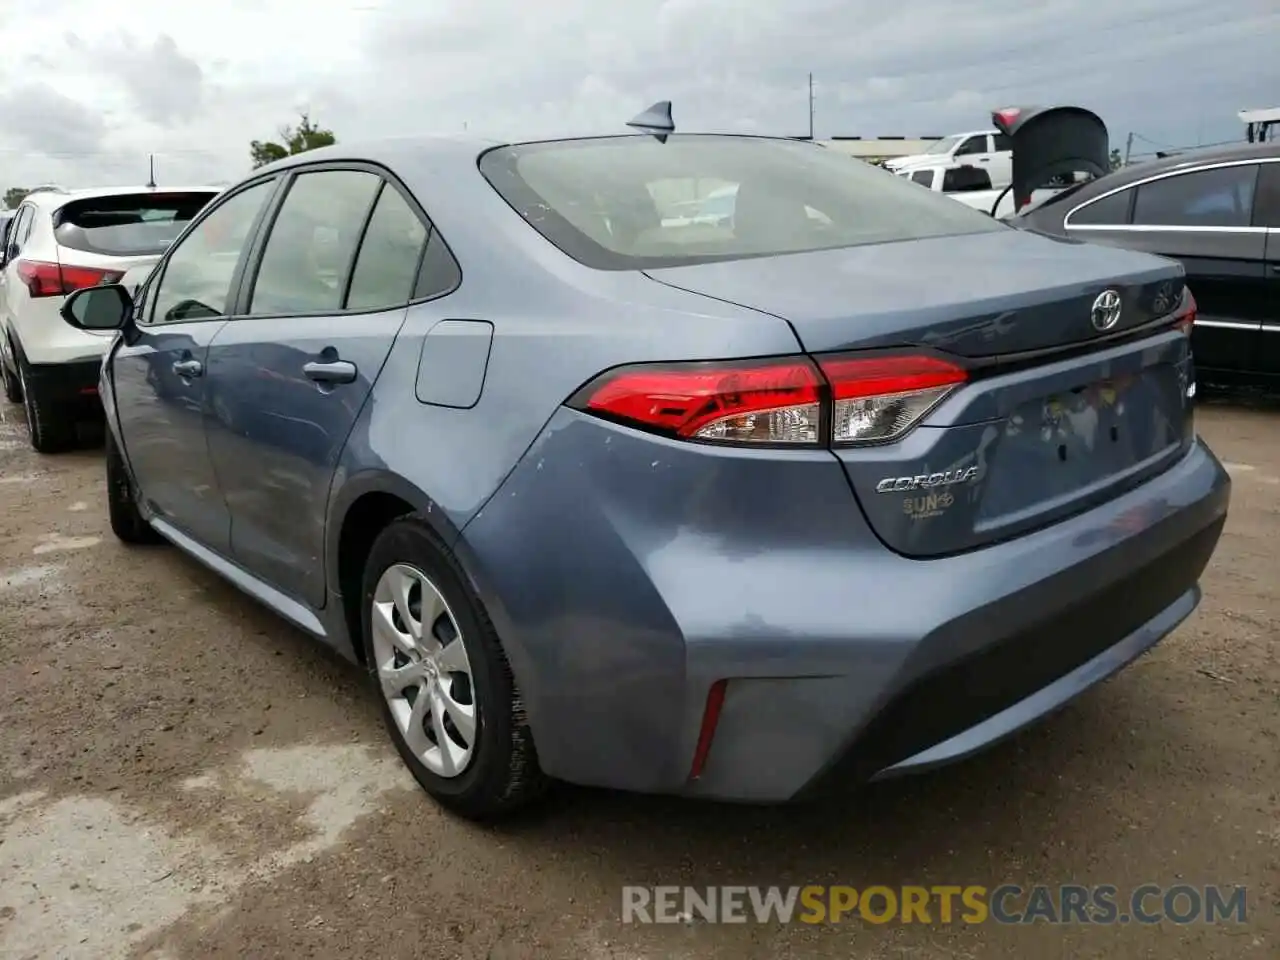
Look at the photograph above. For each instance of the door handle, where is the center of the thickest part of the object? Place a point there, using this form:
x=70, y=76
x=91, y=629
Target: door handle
x=331, y=371
x=188, y=368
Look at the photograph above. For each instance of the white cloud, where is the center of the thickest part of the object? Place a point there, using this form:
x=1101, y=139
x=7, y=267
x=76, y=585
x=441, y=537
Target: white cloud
x=92, y=88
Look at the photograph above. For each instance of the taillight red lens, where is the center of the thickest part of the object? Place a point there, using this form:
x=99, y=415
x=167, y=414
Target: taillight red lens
x=1185, y=316
x=771, y=401
x=44, y=279
x=779, y=401
x=1006, y=118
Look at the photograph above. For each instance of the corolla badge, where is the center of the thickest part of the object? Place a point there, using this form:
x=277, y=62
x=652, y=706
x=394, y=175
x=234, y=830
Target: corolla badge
x=927, y=481
x=1105, y=312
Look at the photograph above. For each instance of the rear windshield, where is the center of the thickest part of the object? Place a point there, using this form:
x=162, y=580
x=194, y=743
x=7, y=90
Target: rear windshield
x=129, y=225
x=628, y=203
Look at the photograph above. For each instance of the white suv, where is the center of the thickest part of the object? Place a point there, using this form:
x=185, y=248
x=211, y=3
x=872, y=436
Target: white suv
x=59, y=241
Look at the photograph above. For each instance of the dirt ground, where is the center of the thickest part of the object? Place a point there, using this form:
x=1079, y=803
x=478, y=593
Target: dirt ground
x=183, y=776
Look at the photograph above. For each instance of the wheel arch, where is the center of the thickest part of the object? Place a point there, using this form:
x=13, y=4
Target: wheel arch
x=360, y=509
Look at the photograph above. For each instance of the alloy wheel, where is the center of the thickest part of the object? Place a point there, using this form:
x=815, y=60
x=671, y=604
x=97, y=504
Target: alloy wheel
x=423, y=670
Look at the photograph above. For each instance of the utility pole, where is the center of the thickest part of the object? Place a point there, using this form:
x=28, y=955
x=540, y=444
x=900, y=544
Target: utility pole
x=151, y=162
x=811, y=106
x=1128, y=148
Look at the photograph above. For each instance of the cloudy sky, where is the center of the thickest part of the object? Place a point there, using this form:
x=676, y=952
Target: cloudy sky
x=89, y=87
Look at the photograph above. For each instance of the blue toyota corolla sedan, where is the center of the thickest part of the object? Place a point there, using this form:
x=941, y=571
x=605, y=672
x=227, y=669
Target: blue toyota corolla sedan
x=852, y=483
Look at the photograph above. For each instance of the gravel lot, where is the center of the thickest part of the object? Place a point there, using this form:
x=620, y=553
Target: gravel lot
x=182, y=776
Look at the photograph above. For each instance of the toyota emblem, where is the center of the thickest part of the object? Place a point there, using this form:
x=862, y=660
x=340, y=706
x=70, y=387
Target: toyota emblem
x=1105, y=313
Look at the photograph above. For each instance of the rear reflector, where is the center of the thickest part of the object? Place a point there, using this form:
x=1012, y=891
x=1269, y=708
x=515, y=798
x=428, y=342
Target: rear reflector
x=707, y=733
x=789, y=401
x=44, y=279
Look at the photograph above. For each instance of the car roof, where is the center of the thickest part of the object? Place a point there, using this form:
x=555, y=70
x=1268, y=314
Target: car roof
x=1191, y=158
x=390, y=151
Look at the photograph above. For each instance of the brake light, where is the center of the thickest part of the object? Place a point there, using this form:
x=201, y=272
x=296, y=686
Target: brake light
x=1184, y=318
x=1007, y=117
x=845, y=399
x=44, y=279
x=771, y=401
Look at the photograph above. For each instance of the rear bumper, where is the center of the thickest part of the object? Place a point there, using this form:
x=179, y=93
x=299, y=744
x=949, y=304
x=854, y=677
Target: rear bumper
x=1031, y=668
x=75, y=382
x=625, y=586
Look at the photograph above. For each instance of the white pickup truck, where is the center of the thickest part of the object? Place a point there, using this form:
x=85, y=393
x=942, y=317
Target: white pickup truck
x=971, y=186
x=990, y=150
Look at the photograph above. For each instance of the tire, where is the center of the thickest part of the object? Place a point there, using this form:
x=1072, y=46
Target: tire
x=127, y=522
x=501, y=772
x=51, y=430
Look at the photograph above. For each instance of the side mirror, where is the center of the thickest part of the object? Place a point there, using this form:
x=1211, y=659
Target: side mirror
x=105, y=307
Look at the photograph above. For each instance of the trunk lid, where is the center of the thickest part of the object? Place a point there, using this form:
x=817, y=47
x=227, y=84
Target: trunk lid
x=981, y=295
x=1055, y=419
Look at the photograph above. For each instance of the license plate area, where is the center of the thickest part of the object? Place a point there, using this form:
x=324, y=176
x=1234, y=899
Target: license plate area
x=1071, y=441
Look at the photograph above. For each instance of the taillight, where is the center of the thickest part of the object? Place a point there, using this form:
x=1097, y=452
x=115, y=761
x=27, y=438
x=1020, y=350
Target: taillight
x=754, y=401
x=44, y=279
x=1184, y=318
x=787, y=401
x=877, y=399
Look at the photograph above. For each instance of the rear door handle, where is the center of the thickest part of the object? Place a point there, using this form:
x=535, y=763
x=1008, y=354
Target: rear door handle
x=333, y=371
x=188, y=368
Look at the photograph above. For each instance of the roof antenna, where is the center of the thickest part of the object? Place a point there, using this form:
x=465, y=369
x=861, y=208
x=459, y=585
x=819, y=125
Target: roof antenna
x=656, y=121
x=151, y=159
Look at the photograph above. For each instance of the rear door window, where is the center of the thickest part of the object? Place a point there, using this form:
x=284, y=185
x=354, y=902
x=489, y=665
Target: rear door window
x=1266, y=202
x=1109, y=211
x=16, y=226
x=923, y=177
x=309, y=251
x=127, y=225
x=390, y=252
x=440, y=273
x=1217, y=197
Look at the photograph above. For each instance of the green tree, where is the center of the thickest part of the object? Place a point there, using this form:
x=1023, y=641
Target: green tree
x=305, y=136
x=1116, y=160
x=14, y=196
